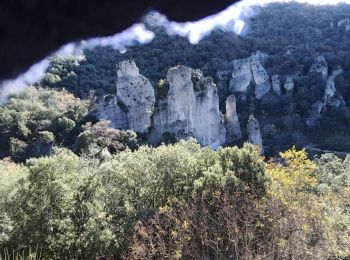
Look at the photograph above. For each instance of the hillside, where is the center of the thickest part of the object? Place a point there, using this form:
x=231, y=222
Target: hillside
x=291, y=35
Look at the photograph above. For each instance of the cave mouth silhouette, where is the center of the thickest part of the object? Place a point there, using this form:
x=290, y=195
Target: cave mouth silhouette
x=31, y=30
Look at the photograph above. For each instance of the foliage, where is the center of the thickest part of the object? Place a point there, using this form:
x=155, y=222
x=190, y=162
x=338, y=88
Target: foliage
x=57, y=207
x=100, y=135
x=289, y=221
x=32, y=121
x=177, y=201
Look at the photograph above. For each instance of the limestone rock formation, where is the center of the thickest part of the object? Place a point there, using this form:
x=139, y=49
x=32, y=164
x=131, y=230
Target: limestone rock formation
x=261, y=78
x=233, y=127
x=250, y=70
x=241, y=76
x=133, y=105
x=289, y=84
x=108, y=109
x=127, y=68
x=276, y=85
x=320, y=66
x=344, y=22
x=330, y=98
x=254, y=135
x=191, y=108
x=136, y=94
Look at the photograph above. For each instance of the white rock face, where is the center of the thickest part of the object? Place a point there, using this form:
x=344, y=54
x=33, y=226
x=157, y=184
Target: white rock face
x=261, y=78
x=133, y=105
x=127, y=68
x=289, y=84
x=137, y=95
x=232, y=123
x=250, y=70
x=276, y=85
x=331, y=96
x=320, y=66
x=241, y=76
x=254, y=135
x=108, y=109
x=190, y=109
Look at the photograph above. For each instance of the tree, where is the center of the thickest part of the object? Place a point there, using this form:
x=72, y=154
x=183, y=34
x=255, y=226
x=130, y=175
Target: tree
x=99, y=136
x=34, y=120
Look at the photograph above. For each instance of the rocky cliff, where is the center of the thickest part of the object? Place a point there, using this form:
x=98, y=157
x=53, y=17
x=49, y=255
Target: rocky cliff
x=188, y=103
x=191, y=108
x=254, y=135
x=331, y=97
x=232, y=123
x=250, y=70
x=132, y=106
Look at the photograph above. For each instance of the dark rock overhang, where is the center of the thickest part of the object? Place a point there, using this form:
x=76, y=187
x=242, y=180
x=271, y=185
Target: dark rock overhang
x=31, y=30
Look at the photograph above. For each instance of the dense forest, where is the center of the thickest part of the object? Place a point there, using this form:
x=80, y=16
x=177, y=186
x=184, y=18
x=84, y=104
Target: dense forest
x=74, y=187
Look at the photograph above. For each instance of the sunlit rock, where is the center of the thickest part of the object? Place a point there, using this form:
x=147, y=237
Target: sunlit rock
x=108, y=109
x=191, y=108
x=241, y=76
x=133, y=104
x=135, y=92
x=254, y=135
x=261, y=79
x=246, y=71
x=232, y=123
x=127, y=68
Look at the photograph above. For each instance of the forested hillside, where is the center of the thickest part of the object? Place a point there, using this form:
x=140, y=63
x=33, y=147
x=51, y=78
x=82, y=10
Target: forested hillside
x=292, y=35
